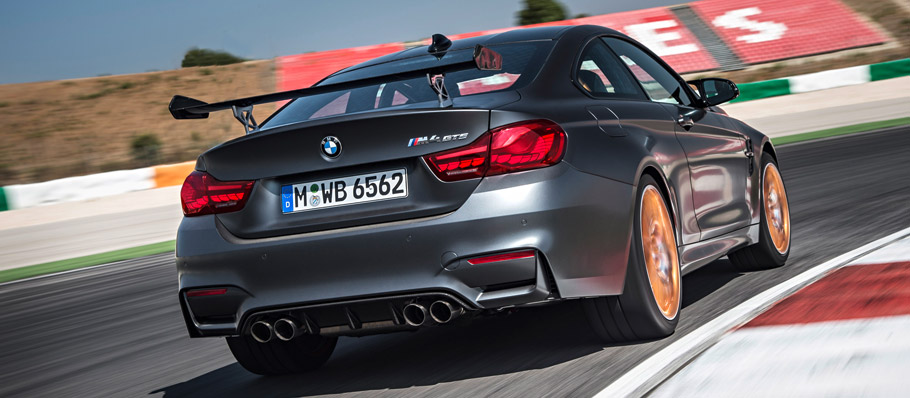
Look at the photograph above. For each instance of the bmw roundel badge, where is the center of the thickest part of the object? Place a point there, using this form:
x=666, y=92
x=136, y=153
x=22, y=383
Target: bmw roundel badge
x=331, y=147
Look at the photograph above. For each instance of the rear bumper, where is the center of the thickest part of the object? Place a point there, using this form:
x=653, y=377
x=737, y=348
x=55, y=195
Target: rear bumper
x=579, y=225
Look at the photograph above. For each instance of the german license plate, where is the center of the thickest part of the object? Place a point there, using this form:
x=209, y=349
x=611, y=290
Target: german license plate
x=345, y=191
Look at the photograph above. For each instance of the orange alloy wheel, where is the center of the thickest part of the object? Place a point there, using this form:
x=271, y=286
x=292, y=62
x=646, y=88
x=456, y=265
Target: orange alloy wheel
x=659, y=247
x=777, y=210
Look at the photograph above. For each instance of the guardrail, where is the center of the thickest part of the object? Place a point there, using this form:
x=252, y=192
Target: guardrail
x=822, y=80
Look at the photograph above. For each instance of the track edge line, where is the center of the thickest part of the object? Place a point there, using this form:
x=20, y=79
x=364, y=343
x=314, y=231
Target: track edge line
x=648, y=374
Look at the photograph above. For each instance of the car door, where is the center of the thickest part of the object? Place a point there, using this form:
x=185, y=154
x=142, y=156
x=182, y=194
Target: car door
x=717, y=156
x=625, y=113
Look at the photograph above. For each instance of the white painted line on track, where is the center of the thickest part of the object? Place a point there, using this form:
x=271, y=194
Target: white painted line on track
x=842, y=358
x=649, y=373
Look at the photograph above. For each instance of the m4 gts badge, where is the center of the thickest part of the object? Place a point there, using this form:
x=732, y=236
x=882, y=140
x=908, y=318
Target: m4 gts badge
x=435, y=138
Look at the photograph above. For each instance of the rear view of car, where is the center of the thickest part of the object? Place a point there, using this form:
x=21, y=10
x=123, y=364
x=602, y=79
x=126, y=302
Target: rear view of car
x=364, y=210
x=460, y=179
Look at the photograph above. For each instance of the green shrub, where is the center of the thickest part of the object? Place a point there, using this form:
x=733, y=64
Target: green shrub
x=538, y=11
x=207, y=57
x=90, y=96
x=146, y=148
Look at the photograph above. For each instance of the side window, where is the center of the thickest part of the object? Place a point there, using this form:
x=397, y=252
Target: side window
x=602, y=75
x=658, y=82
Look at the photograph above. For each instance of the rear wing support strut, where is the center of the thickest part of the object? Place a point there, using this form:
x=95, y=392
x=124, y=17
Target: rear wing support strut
x=244, y=114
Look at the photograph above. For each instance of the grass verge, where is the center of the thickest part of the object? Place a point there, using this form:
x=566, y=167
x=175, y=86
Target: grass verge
x=86, y=261
x=855, y=128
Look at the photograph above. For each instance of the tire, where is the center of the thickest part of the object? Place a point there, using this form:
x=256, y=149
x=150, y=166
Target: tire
x=636, y=314
x=773, y=247
x=276, y=357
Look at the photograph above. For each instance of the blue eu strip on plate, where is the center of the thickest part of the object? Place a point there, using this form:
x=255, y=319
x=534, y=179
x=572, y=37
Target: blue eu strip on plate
x=287, y=199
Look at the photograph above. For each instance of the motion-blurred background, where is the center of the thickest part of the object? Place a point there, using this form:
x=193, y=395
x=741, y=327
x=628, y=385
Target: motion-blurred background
x=65, y=116
x=91, y=164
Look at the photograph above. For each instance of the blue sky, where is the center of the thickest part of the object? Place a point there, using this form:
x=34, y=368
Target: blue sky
x=50, y=40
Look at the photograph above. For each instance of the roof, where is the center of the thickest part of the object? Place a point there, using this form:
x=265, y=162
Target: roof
x=525, y=34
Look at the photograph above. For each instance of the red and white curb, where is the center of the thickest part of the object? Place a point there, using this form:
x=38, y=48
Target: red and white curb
x=834, y=352
x=847, y=334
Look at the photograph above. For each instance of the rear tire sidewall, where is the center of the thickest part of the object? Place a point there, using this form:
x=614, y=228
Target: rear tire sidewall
x=637, y=292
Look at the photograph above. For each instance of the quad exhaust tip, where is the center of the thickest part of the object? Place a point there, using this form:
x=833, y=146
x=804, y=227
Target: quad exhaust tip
x=415, y=314
x=262, y=331
x=443, y=312
x=286, y=329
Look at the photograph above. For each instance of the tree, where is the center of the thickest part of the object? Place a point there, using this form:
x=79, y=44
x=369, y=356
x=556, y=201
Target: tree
x=537, y=11
x=205, y=57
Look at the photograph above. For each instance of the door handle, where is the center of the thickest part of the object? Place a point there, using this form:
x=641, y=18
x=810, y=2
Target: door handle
x=687, y=119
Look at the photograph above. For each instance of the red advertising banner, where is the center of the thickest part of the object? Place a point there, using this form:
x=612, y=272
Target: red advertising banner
x=756, y=30
x=656, y=28
x=766, y=30
x=660, y=31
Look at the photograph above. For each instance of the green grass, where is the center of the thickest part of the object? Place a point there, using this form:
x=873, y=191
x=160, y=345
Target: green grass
x=87, y=261
x=855, y=128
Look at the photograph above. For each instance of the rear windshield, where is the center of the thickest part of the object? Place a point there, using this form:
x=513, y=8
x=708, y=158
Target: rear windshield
x=520, y=63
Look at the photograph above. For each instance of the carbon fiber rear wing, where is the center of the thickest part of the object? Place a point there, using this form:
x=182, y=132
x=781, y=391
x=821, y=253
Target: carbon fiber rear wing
x=182, y=107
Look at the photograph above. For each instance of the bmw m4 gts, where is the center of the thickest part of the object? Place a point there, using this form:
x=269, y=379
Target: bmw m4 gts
x=466, y=177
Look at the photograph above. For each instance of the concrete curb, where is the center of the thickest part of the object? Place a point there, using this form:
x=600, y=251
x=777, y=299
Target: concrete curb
x=92, y=186
x=823, y=80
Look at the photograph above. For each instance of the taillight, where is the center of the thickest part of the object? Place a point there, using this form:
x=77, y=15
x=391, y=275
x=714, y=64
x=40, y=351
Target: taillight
x=462, y=163
x=203, y=194
x=514, y=147
x=526, y=145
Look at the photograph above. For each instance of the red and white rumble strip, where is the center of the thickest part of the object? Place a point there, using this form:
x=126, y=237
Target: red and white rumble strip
x=661, y=367
x=847, y=334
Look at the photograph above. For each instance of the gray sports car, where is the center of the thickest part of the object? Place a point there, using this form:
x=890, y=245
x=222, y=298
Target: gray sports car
x=460, y=179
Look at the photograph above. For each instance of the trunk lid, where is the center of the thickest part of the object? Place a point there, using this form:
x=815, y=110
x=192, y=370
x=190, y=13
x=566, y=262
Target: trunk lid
x=370, y=142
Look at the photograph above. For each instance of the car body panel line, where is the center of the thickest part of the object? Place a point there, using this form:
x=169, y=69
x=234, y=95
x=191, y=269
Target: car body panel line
x=696, y=255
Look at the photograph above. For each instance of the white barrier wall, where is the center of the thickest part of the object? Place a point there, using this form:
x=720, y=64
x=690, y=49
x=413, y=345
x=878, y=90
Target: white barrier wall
x=79, y=188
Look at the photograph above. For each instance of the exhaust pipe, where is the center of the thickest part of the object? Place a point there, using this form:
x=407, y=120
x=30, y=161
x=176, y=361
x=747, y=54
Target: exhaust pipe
x=286, y=329
x=415, y=314
x=443, y=312
x=262, y=331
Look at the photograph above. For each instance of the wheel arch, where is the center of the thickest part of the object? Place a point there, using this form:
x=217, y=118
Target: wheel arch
x=769, y=149
x=662, y=184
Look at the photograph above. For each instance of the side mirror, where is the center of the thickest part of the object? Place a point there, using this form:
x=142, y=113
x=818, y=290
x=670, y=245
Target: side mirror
x=714, y=91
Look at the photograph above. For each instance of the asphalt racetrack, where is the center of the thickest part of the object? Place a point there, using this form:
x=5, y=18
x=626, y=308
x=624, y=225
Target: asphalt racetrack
x=117, y=331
